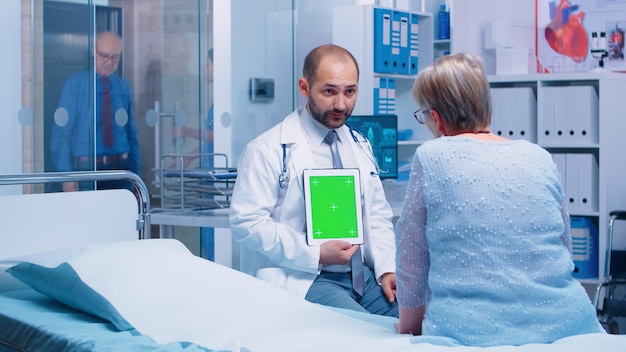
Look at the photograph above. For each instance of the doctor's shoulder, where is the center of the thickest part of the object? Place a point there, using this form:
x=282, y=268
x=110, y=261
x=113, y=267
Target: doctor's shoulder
x=266, y=143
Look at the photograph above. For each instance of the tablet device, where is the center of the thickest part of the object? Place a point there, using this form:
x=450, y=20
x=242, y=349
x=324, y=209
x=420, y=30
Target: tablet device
x=332, y=200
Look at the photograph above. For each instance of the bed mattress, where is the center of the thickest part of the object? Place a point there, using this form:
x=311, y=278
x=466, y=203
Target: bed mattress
x=31, y=321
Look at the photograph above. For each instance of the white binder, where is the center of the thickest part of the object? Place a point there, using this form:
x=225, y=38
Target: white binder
x=498, y=115
x=561, y=112
x=524, y=105
x=559, y=160
x=572, y=182
x=582, y=116
x=581, y=178
x=587, y=181
x=514, y=113
x=546, y=121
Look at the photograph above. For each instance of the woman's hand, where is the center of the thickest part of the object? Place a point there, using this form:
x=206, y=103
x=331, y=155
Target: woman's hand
x=410, y=321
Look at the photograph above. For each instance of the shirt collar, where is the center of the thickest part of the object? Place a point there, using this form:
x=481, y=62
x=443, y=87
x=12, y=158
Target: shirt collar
x=110, y=77
x=316, y=131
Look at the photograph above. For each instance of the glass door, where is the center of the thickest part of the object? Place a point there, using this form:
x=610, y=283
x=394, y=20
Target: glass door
x=156, y=99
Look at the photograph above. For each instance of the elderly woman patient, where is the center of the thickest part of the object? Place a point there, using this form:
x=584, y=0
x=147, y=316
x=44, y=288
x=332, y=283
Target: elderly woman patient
x=483, y=240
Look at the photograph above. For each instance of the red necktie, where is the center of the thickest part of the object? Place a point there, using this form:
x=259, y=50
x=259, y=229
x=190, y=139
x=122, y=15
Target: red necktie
x=107, y=115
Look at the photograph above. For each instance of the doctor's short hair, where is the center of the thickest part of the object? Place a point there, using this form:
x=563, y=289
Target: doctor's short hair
x=456, y=86
x=313, y=59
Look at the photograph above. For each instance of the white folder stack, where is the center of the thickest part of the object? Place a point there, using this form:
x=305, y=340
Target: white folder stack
x=569, y=116
x=580, y=177
x=514, y=113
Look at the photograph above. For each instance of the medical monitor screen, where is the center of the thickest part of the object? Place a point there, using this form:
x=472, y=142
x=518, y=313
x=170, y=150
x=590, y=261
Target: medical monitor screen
x=382, y=133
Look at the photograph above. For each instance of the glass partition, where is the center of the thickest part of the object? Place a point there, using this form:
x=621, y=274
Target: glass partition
x=166, y=58
x=156, y=100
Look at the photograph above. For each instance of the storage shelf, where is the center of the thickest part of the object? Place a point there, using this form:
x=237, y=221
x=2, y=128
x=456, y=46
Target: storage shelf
x=441, y=42
x=605, y=145
x=410, y=143
x=590, y=214
x=553, y=77
x=593, y=282
x=396, y=76
x=571, y=146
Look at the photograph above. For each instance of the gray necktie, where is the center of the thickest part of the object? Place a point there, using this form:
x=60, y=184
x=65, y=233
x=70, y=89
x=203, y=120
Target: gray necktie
x=356, y=262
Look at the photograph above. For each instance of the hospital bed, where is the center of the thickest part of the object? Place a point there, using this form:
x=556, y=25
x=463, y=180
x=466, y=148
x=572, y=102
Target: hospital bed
x=124, y=293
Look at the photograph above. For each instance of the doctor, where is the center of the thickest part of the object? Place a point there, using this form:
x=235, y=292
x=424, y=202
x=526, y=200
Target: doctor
x=267, y=213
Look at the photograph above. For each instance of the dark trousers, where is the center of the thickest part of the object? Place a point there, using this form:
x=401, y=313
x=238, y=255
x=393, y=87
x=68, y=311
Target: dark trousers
x=87, y=164
x=335, y=289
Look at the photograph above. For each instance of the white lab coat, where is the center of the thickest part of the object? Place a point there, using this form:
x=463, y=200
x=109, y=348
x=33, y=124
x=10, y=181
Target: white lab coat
x=269, y=222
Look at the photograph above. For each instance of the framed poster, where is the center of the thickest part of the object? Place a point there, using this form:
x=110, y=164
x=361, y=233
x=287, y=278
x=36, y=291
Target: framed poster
x=580, y=35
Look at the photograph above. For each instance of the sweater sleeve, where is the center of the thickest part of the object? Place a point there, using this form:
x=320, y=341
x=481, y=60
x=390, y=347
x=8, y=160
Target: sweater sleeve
x=412, y=258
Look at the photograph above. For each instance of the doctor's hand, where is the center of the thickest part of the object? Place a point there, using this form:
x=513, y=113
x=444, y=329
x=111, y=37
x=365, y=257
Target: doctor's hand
x=336, y=252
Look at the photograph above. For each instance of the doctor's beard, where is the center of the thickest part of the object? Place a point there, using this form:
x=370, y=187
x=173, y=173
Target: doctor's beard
x=331, y=118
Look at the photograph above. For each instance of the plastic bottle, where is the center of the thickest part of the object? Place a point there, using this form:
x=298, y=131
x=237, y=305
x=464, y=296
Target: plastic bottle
x=594, y=40
x=602, y=41
x=444, y=22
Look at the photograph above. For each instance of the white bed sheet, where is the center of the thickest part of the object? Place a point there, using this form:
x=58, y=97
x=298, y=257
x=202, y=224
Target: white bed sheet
x=166, y=292
x=234, y=312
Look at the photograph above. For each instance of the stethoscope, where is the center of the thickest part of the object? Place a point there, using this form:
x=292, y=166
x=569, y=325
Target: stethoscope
x=283, y=177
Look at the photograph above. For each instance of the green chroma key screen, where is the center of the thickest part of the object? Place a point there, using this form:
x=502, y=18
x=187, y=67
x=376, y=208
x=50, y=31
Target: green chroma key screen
x=333, y=207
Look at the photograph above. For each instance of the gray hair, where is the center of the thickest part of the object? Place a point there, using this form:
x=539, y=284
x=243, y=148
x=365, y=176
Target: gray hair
x=457, y=88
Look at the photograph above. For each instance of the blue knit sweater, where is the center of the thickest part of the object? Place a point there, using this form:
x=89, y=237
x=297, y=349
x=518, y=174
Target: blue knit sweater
x=484, y=241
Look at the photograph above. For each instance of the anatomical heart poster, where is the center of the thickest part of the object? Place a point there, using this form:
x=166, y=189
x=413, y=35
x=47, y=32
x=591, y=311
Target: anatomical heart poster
x=580, y=35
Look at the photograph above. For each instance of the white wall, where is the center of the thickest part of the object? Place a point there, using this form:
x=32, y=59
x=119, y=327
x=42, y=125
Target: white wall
x=315, y=27
x=252, y=39
x=264, y=39
x=10, y=92
x=255, y=37
x=468, y=19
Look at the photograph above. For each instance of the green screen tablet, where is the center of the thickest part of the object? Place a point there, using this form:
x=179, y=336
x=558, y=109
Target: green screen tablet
x=333, y=205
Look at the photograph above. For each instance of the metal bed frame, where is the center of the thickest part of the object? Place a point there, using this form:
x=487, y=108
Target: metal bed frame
x=141, y=191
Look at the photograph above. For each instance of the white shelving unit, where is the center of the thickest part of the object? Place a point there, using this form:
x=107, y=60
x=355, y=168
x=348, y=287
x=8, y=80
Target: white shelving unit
x=441, y=47
x=580, y=115
x=597, y=109
x=353, y=28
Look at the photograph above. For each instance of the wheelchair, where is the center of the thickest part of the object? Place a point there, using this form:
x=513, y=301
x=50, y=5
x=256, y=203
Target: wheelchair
x=610, y=295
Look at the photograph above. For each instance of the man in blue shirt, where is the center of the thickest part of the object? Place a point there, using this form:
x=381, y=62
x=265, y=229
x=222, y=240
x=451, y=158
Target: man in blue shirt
x=107, y=141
